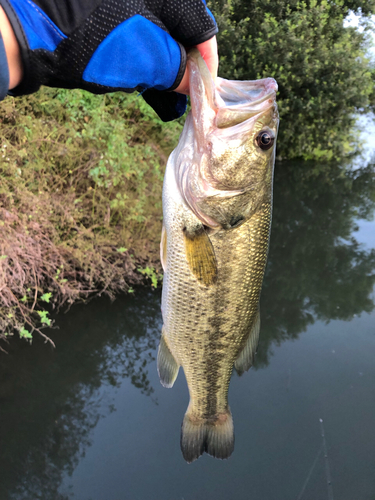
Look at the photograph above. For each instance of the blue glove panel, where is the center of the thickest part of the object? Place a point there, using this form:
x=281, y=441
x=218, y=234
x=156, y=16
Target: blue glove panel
x=40, y=31
x=136, y=53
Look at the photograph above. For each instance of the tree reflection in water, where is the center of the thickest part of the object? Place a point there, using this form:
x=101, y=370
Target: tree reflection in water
x=51, y=400
x=316, y=268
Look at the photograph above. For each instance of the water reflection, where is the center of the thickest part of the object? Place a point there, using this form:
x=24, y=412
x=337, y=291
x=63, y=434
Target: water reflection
x=51, y=400
x=316, y=268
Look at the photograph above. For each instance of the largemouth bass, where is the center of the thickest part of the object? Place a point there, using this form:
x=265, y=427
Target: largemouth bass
x=217, y=198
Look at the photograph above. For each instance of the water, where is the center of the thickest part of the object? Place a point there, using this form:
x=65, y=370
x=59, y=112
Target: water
x=90, y=420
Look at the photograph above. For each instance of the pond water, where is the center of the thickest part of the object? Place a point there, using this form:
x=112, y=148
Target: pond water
x=90, y=420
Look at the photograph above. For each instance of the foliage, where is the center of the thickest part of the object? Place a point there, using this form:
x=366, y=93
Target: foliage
x=152, y=274
x=321, y=67
x=80, y=199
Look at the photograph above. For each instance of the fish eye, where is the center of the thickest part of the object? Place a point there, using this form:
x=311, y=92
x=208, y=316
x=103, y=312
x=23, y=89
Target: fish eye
x=265, y=140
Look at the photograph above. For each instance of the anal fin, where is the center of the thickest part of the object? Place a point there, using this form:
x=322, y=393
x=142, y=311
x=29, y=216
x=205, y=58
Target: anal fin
x=167, y=365
x=201, y=256
x=246, y=357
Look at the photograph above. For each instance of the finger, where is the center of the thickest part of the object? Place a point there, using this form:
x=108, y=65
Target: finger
x=209, y=53
x=12, y=50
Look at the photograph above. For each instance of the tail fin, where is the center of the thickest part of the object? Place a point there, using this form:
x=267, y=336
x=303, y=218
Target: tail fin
x=216, y=437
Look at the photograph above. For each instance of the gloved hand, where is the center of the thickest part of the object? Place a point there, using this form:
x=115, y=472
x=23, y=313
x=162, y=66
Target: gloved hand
x=108, y=45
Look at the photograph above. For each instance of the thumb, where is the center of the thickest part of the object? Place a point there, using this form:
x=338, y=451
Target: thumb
x=209, y=53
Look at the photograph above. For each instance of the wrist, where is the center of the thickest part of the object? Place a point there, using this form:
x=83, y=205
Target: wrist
x=12, y=50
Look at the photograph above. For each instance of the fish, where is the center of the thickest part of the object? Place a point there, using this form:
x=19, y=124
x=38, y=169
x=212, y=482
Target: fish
x=217, y=205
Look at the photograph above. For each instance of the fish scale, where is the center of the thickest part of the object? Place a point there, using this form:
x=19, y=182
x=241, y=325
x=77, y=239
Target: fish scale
x=213, y=272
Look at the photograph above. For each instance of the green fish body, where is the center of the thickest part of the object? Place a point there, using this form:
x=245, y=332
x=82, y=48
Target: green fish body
x=217, y=204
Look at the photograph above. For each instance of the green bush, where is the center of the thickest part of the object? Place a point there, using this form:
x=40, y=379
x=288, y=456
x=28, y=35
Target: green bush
x=80, y=199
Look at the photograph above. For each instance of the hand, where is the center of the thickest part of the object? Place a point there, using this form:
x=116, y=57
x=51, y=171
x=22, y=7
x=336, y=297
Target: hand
x=209, y=53
x=108, y=45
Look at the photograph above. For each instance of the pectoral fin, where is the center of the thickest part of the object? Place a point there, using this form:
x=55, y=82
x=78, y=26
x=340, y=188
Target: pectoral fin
x=246, y=357
x=167, y=365
x=200, y=256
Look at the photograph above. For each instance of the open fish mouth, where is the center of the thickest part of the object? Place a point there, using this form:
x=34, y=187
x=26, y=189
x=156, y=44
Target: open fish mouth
x=244, y=100
x=231, y=101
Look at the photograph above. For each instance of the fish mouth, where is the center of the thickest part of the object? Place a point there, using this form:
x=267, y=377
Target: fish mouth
x=233, y=101
x=244, y=100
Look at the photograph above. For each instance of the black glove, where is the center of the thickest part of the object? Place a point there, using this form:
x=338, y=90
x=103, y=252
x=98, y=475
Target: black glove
x=108, y=45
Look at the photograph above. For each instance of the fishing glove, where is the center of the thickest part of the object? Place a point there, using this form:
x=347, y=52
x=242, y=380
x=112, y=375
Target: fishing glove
x=108, y=45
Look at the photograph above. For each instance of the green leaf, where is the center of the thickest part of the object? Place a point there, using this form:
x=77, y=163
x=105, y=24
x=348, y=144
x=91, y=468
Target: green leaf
x=46, y=297
x=44, y=317
x=24, y=333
